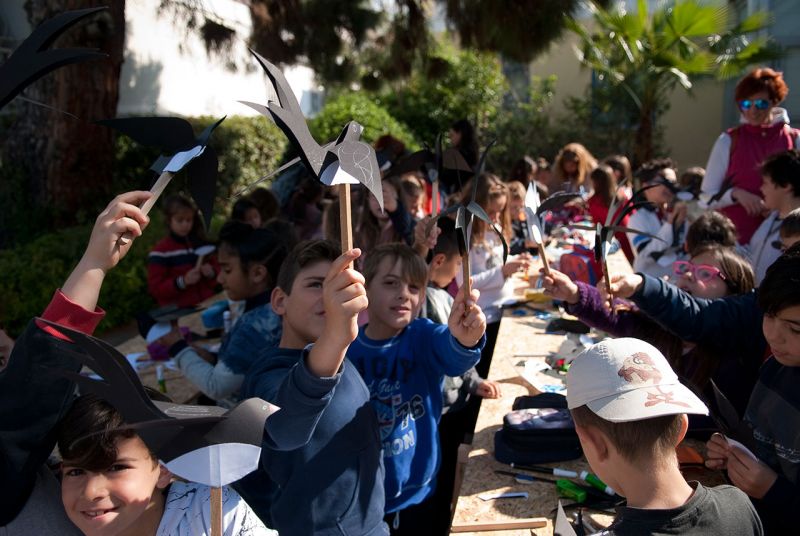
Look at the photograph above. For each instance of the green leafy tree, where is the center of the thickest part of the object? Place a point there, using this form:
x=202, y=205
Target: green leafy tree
x=648, y=55
x=453, y=84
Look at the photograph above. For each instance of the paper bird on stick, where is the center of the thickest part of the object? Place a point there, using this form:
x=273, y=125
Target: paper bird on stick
x=346, y=161
x=465, y=212
x=535, y=209
x=175, y=137
x=204, y=444
x=32, y=60
x=604, y=233
x=436, y=163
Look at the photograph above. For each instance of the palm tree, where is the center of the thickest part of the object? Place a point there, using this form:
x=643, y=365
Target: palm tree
x=649, y=54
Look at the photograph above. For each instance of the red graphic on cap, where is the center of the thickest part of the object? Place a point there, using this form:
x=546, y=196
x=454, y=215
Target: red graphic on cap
x=667, y=397
x=639, y=368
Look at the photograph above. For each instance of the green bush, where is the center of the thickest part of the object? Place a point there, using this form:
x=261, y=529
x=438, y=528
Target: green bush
x=247, y=147
x=330, y=121
x=456, y=84
x=32, y=272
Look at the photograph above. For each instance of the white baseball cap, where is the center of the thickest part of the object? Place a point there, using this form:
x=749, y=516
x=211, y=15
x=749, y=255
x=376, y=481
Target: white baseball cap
x=628, y=379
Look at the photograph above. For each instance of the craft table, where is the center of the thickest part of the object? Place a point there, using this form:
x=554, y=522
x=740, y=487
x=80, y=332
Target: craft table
x=518, y=336
x=179, y=389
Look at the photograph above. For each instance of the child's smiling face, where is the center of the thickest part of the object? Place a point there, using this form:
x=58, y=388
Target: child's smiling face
x=393, y=300
x=125, y=498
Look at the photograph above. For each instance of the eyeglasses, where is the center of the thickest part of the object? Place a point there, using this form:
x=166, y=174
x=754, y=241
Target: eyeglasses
x=702, y=272
x=760, y=104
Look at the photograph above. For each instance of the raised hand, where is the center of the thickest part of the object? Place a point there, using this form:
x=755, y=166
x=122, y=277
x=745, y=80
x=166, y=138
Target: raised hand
x=467, y=322
x=560, y=287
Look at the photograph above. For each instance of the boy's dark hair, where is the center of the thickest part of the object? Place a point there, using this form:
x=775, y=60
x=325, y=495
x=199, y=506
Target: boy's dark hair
x=784, y=169
x=240, y=208
x=88, y=433
x=447, y=242
x=259, y=246
x=710, y=228
x=646, y=439
x=413, y=268
x=780, y=288
x=651, y=169
x=790, y=226
x=692, y=180
x=266, y=202
x=303, y=255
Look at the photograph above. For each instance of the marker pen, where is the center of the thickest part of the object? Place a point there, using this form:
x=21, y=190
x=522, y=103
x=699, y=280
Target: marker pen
x=162, y=384
x=595, y=482
x=555, y=471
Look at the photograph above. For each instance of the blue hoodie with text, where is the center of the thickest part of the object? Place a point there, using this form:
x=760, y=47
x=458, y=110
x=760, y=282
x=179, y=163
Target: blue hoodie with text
x=404, y=375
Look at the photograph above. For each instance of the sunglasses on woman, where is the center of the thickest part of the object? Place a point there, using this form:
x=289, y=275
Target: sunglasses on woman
x=760, y=104
x=701, y=272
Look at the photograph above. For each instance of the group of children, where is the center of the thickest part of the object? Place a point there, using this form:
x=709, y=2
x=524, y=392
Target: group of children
x=374, y=357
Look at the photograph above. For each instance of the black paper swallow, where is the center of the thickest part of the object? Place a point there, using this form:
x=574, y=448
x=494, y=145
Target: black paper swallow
x=175, y=137
x=469, y=209
x=728, y=420
x=436, y=162
x=348, y=160
x=31, y=60
x=204, y=444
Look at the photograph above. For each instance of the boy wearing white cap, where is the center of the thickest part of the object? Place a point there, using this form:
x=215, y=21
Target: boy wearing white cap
x=630, y=413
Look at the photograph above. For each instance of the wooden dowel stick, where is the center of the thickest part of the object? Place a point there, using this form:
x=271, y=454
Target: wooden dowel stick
x=543, y=256
x=435, y=195
x=216, y=511
x=199, y=261
x=607, y=276
x=157, y=189
x=345, y=219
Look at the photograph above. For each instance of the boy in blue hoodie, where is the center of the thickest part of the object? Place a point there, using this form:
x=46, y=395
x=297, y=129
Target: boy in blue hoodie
x=403, y=360
x=321, y=469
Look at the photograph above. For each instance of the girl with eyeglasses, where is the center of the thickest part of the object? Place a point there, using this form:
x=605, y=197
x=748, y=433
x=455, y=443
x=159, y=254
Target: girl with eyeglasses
x=732, y=182
x=712, y=271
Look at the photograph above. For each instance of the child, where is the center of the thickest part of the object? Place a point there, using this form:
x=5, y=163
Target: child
x=403, y=362
x=374, y=227
x=172, y=277
x=771, y=474
x=31, y=401
x=691, y=180
x=712, y=272
x=790, y=229
x=523, y=171
x=604, y=185
x=486, y=259
x=661, y=217
x=412, y=192
x=622, y=168
x=246, y=211
x=245, y=258
x=516, y=211
x=572, y=167
x=266, y=202
x=456, y=422
x=321, y=470
x=112, y=484
x=780, y=188
x=630, y=413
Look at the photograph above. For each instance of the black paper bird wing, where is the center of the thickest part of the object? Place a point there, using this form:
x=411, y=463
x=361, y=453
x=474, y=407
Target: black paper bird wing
x=203, y=182
x=556, y=201
x=411, y=163
x=534, y=222
x=283, y=90
x=31, y=61
x=452, y=159
x=476, y=210
x=634, y=203
x=168, y=134
x=119, y=384
x=727, y=418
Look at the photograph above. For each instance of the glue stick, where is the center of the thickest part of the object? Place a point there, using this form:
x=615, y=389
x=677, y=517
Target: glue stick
x=595, y=482
x=569, y=490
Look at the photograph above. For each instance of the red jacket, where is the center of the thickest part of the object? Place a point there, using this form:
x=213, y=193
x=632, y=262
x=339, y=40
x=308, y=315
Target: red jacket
x=172, y=257
x=598, y=211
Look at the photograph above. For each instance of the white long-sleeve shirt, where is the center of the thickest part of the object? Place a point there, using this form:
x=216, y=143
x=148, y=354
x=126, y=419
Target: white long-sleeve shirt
x=486, y=267
x=761, y=250
x=655, y=257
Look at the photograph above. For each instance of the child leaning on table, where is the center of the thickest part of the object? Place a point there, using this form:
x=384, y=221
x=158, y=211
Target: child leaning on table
x=630, y=413
x=249, y=260
x=403, y=360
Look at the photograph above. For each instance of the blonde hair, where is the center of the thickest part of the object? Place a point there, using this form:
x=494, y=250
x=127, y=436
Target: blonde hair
x=489, y=187
x=574, y=152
